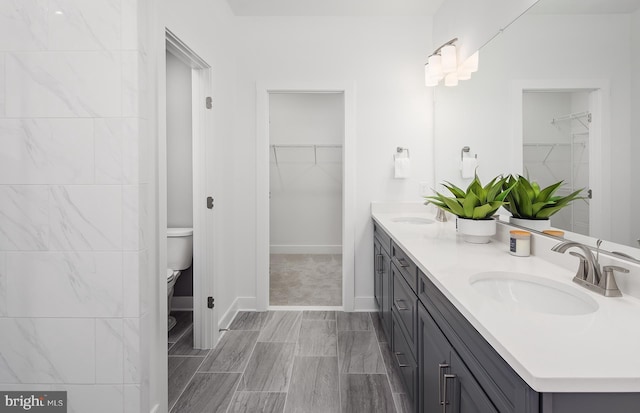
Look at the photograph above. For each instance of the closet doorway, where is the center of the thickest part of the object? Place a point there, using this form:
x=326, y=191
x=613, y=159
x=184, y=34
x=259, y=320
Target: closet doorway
x=561, y=132
x=306, y=133
x=556, y=142
x=305, y=240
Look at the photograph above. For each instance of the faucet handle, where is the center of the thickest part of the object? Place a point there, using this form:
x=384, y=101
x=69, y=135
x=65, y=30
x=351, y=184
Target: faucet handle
x=608, y=281
x=582, y=269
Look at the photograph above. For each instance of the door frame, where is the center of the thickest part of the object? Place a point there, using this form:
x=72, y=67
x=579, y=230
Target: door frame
x=262, y=185
x=205, y=324
x=599, y=140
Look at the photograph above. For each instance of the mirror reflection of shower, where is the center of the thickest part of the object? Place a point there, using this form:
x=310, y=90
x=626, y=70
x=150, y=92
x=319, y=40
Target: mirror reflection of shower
x=306, y=137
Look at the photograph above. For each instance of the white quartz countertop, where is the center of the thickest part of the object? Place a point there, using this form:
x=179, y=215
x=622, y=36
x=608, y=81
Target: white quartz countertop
x=596, y=352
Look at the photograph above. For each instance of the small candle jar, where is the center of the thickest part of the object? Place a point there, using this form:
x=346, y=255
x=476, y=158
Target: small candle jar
x=520, y=243
x=554, y=233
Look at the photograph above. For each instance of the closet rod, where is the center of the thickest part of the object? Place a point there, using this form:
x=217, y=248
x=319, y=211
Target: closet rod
x=571, y=116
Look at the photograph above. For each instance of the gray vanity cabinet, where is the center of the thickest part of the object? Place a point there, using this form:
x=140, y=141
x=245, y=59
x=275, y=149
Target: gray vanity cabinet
x=446, y=385
x=382, y=278
x=424, y=330
x=442, y=357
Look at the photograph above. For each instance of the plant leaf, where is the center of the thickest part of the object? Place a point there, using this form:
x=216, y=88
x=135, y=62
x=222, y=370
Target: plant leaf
x=538, y=206
x=547, y=212
x=546, y=193
x=470, y=202
x=536, y=189
x=526, y=186
x=454, y=205
x=457, y=192
x=524, y=200
x=486, y=210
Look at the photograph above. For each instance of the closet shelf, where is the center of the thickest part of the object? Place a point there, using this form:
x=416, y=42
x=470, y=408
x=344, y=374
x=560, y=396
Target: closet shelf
x=579, y=116
x=315, y=148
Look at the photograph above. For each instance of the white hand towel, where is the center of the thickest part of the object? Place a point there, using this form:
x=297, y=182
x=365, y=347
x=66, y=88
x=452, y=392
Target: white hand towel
x=468, y=167
x=402, y=168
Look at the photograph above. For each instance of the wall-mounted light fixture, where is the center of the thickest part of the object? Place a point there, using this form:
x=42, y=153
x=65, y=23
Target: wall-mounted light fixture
x=443, y=64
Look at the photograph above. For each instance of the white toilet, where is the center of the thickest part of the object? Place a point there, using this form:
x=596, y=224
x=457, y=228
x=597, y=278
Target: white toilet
x=179, y=258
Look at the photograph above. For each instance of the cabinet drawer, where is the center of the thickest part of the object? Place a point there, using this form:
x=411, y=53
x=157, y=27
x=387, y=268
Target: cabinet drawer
x=407, y=268
x=383, y=237
x=404, y=306
x=405, y=361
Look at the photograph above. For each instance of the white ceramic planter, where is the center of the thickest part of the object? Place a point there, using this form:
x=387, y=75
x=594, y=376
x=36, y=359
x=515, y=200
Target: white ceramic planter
x=534, y=224
x=476, y=231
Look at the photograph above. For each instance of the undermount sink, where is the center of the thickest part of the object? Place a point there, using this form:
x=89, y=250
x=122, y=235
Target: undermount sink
x=412, y=220
x=533, y=293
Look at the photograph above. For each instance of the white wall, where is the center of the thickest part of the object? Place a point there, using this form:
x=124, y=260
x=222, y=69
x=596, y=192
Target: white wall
x=179, y=145
x=73, y=201
x=635, y=125
x=479, y=111
x=384, y=58
x=306, y=185
x=473, y=22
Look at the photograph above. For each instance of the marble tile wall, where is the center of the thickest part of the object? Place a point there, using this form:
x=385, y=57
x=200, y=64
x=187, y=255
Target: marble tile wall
x=72, y=200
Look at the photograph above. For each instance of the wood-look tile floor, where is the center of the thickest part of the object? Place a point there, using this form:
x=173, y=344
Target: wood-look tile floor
x=286, y=361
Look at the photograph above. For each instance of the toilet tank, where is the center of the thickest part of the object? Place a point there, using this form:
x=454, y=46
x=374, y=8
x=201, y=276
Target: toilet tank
x=179, y=248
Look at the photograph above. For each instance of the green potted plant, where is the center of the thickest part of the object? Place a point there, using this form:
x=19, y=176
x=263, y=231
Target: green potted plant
x=531, y=206
x=474, y=207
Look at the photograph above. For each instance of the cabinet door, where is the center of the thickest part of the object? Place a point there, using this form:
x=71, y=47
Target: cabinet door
x=433, y=363
x=447, y=386
x=463, y=392
x=387, y=295
x=377, y=273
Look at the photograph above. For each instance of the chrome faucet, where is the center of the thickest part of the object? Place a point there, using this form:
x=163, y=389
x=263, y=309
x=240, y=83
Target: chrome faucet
x=589, y=274
x=441, y=215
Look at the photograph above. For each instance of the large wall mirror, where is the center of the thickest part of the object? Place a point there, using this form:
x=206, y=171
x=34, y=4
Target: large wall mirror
x=557, y=97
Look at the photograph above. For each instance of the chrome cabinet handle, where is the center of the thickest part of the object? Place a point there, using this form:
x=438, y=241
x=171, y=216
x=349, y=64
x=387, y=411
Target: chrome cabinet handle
x=441, y=367
x=398, y=306
x=400, y=364
x=379, y=264
x=445, y=401
x=403, y=263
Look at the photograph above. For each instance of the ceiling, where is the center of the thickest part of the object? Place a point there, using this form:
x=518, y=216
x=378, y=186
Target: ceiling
x=585, y=6
x=334, y=7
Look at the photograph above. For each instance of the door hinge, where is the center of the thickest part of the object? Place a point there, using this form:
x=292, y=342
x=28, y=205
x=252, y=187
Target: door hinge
x=209, y=102
x=210, y=301
x=210, y=202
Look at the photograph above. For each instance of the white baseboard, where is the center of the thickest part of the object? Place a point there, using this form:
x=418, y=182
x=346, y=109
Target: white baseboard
x=361, y=304
x=306, y=308
x=225, y=320
x=365, y=304
x=180, y=303
x=305, y=249
x=246, y=303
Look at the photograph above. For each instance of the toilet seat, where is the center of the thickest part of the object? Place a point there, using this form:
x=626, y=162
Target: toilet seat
x=171, y=275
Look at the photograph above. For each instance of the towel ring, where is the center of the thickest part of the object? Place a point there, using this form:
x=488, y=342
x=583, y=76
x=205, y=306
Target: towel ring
x=400, y=150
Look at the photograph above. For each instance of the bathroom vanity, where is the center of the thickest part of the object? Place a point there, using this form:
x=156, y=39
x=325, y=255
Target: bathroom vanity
x=462, y=347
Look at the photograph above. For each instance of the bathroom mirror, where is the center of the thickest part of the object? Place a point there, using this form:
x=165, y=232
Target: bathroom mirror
x=557, y=92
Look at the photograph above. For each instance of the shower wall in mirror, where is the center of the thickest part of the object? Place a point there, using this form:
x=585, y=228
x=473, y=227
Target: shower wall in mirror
x=573, y=58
